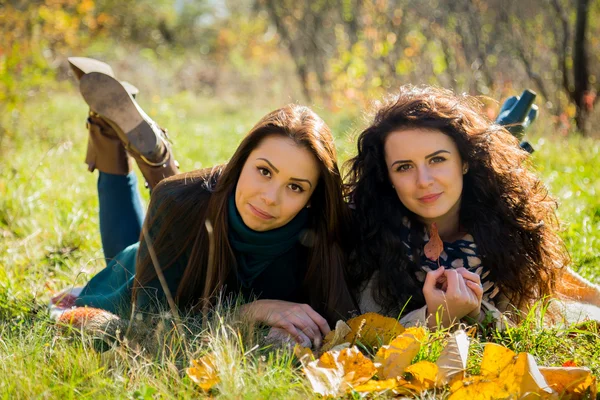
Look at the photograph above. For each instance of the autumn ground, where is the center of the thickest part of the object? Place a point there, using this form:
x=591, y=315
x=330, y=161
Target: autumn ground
x=49, y=240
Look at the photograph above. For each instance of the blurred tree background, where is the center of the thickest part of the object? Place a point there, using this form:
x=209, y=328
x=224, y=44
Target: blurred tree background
x=338, y=54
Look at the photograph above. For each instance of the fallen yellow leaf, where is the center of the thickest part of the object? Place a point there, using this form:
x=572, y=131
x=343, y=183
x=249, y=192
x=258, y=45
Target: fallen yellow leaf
x=377, y=386
x=495, y=359
x=503, y=374
x=338, y=371
x=375, y=330
x=336, y=336
x=304, y=354
x=571, y=383
x=478, y=388
x=392, y=360
x=419, y=377
x=203, y=372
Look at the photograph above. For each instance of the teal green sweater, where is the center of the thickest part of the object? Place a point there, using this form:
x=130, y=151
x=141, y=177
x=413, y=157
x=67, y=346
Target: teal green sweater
x=111, y=288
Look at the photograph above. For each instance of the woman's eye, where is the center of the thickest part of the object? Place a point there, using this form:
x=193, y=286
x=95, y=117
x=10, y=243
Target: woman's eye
x=264, y=172
x=436, y=160
x=403, y=167
x=296, y=188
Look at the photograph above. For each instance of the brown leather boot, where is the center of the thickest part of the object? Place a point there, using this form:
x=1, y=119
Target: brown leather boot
x=105, y=151
x=142, y=137
x=84, y=65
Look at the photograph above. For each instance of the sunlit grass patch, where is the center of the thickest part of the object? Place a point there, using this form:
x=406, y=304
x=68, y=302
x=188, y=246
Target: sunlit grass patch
x=49, y=240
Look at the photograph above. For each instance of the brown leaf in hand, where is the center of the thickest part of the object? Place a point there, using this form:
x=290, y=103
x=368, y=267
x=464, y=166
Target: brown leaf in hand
x=435, y=246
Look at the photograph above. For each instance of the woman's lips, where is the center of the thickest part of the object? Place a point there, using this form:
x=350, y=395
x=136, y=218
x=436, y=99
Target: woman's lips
x=260, y=213
x=430, y=198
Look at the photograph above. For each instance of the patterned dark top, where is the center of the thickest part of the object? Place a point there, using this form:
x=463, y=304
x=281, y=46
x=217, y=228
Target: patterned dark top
x=457, y=254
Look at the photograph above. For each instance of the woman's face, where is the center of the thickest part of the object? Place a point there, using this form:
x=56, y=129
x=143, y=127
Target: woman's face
x=426, y=170
x=276, y=182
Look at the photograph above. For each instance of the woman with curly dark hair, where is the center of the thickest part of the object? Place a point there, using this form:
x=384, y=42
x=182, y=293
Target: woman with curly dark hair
x=430, y=158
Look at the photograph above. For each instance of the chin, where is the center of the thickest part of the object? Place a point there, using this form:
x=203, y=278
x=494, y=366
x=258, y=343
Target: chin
x=431, y=214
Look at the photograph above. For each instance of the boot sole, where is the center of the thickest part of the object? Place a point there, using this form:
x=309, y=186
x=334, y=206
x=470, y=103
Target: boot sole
x=109, y=98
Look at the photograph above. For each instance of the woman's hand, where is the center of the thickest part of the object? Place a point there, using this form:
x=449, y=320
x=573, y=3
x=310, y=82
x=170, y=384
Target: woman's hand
x=299, y=320
x=457, y=291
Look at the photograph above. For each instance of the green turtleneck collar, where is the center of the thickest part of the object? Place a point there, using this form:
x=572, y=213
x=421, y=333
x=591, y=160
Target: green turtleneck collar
x=255, y=251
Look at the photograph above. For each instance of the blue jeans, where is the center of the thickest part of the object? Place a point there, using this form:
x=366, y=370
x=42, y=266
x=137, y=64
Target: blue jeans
x=121, y=212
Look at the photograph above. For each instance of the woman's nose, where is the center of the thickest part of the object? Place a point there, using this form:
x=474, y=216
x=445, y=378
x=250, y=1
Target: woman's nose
x=269, y=195
x=424, y=178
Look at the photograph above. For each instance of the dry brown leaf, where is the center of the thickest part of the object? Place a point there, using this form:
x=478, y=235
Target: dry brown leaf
x=435, y=246
x=570, y=383
x=376, y=329
x=337, y=372
x=204, y=372
x=392, y=360
x=453, y=359
x=336, y=337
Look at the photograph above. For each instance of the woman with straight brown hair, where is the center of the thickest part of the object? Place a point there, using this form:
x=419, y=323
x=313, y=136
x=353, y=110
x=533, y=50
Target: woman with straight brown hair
x=267, y=225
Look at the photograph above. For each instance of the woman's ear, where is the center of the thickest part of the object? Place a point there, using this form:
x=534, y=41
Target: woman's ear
x=465, y=168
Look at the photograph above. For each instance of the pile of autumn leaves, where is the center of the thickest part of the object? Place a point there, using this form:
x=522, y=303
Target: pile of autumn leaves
x=342, y=368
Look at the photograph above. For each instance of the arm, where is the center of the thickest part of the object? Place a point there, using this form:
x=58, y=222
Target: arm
x=573, y=286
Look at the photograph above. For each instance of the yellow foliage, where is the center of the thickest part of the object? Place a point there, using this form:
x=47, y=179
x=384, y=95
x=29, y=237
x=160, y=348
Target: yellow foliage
x=373, y=329
x=336, y=336
x=570, y=383
x=504, y=375
x=495, y=359
x=393, y=359
x=419, y=377
x=337, y=372
x=203, y=372
x=304, y=354
x=377, y=386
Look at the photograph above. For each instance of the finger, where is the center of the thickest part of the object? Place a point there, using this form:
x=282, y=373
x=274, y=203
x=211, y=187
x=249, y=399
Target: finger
x=464, y=290
x=468, y=275
x=291, y=330
x=432, y=277
x=303, y=340
x=476, y=288
x=317, y=319
x=304, y=323
x=453, y=283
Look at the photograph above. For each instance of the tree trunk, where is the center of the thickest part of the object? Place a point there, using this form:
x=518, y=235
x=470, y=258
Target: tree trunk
x=580, y=66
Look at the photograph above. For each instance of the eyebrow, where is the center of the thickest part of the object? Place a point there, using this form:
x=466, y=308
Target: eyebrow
x=277, y=171
x=435, y=153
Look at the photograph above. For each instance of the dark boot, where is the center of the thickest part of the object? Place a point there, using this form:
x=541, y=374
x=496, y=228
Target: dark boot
x=143, y=139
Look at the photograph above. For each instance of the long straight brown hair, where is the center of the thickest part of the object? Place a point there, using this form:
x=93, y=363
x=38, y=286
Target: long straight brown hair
x=181, y=206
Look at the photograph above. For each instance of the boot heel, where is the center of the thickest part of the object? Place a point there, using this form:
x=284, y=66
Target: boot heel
x=109, y=98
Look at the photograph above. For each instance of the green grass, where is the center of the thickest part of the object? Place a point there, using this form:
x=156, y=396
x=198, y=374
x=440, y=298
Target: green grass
x=49, y=240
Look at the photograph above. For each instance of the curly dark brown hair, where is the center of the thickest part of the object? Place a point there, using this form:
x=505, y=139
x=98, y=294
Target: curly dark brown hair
x=504, y=205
